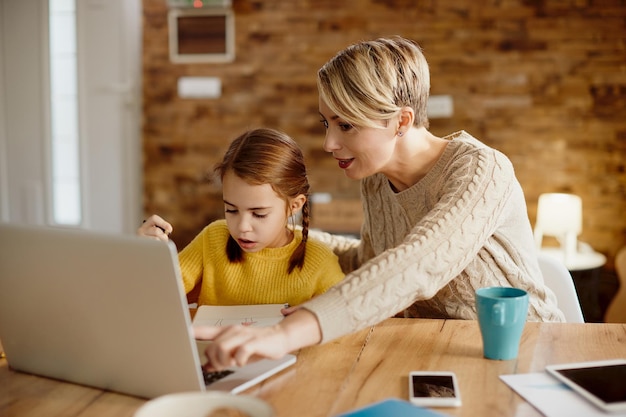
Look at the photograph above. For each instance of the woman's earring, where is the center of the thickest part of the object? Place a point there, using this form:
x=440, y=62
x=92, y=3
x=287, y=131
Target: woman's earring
x=400, y=133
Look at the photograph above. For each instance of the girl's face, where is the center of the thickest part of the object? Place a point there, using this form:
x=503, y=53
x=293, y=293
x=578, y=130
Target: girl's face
x=361, y=151
x=256, y=216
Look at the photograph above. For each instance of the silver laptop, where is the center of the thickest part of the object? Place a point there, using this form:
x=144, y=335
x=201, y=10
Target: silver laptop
x=104, y=310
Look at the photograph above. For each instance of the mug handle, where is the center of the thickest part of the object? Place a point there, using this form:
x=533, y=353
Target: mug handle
x=498, y=313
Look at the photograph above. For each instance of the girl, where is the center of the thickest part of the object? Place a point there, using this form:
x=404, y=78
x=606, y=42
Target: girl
x=255, y=256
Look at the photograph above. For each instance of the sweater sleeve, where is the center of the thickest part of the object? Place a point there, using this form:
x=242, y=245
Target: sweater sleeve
x=346, y=248
x=437, y=249
x=191, y=260
x=327, y=269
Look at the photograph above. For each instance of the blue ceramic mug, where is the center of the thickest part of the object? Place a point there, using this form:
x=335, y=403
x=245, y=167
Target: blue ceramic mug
x=502, y=313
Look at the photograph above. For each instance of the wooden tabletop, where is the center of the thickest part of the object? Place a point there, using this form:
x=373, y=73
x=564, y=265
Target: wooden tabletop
x=360, y=369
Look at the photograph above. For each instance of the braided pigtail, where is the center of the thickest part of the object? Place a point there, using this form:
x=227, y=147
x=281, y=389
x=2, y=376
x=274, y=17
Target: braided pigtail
x=297, y=257
x=233, y=251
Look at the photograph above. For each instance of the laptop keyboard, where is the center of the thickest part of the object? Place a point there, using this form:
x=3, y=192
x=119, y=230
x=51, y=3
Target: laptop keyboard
x=211, y=377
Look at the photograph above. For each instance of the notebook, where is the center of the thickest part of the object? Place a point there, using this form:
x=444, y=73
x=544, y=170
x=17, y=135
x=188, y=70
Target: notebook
x=103, y=310
x=391, y=407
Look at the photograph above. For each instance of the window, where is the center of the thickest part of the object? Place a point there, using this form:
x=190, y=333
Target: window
x=66, y=195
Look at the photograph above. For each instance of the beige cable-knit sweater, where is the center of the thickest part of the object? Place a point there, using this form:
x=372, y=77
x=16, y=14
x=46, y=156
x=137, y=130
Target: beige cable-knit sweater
x=426, y=249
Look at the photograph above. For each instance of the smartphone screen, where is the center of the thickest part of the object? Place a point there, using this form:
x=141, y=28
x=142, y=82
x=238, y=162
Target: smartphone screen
x=434, y=389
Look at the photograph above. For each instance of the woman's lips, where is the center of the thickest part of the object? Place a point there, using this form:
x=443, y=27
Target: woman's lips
x=344, y=163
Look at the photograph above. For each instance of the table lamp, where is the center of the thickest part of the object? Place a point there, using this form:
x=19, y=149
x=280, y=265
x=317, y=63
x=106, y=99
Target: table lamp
x=560, y=215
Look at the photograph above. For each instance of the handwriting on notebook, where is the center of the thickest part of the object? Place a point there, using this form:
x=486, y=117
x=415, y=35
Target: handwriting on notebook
x=257, y=315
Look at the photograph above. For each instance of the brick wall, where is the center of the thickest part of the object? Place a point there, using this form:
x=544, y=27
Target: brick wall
x=544, y=81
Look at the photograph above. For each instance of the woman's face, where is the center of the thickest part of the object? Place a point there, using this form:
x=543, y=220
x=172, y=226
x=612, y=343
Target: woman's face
x=256, y=216
x=361, y=151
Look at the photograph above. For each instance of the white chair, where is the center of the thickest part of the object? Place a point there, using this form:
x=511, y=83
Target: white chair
x=559, y=280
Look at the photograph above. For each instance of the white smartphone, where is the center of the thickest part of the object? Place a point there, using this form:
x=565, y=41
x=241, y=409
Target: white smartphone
x=601, y=382
x=434, y=389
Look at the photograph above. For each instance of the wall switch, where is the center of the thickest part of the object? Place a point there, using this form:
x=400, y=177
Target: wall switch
x=199, y=87
x=440, y=106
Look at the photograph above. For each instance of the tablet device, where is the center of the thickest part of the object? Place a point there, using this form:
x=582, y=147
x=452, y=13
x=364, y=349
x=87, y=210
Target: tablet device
x=601, y=382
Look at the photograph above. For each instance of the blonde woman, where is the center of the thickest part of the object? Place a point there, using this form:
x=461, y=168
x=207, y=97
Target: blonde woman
x=443, y=215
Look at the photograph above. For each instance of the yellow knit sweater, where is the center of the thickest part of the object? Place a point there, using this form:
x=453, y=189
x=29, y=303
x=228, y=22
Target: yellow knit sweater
x=262, y=276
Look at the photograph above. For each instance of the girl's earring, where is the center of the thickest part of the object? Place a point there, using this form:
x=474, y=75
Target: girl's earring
x=400, y=133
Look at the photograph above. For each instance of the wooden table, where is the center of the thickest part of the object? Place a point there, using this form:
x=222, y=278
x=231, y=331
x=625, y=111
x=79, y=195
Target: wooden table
x=359, y=369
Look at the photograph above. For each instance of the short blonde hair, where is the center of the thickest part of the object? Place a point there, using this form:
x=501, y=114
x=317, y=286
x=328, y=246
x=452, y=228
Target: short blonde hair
x=371, y=81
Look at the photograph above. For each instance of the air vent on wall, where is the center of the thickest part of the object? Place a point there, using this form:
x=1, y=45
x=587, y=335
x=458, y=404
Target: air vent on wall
x=197, y=4
x=201, y=35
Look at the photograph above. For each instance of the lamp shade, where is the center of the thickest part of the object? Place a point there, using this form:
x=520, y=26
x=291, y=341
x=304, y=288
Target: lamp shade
x=559, y=214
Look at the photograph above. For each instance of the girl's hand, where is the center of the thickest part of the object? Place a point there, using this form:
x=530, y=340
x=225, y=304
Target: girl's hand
x=155, y=227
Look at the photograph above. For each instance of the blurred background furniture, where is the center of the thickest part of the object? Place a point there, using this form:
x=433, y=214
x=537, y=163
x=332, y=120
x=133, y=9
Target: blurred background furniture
x=560, y=216
x=559, y=280
x=616, y=313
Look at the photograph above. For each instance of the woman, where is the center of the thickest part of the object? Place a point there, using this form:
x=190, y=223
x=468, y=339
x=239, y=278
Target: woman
x=442, y=216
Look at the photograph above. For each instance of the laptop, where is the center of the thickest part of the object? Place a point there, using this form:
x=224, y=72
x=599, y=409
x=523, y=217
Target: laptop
x=106, y=311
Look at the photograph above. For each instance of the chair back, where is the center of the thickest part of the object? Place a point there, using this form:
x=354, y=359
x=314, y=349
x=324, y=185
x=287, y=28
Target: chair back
x=559, y=280
x=616, y=313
